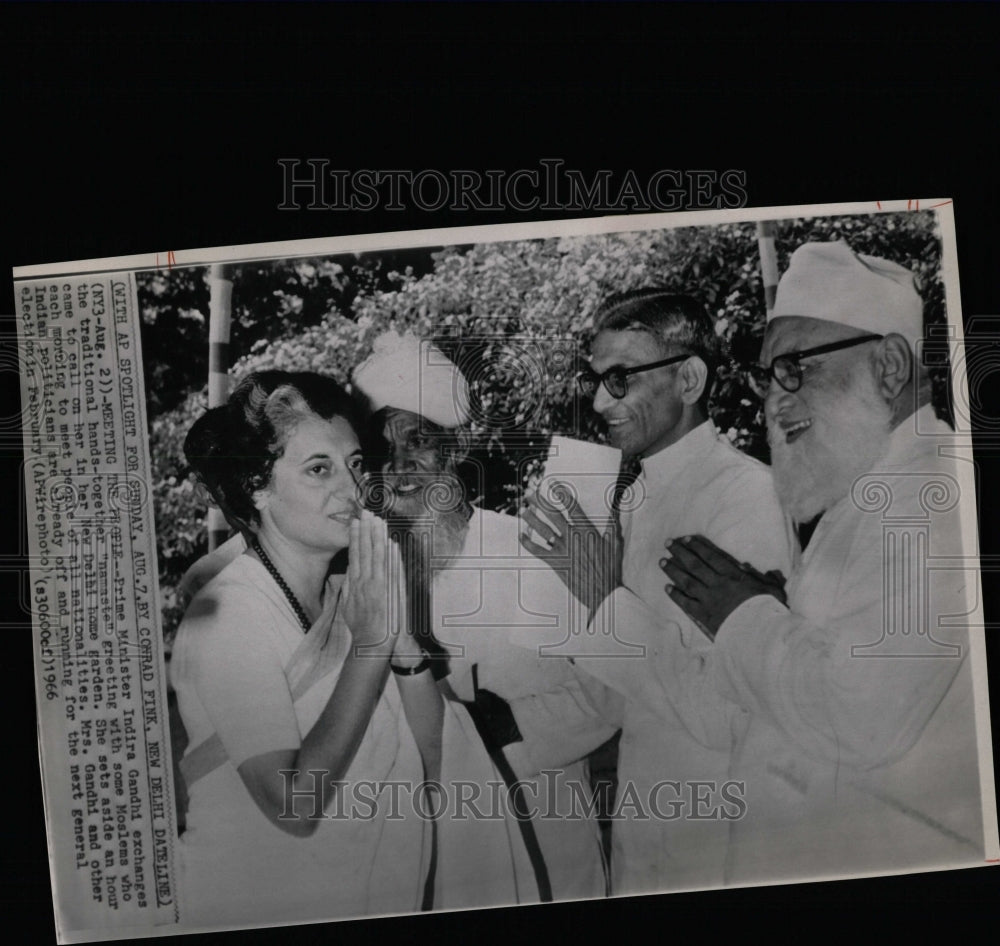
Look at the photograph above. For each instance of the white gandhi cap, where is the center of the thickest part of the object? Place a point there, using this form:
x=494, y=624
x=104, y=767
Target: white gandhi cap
x=413, y=374
x=830, y=281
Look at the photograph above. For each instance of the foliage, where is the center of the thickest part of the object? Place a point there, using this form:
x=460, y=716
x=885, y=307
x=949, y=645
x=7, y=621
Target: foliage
x=517, y=317
x=179, y=503
x=173, y=308
x=272, y=299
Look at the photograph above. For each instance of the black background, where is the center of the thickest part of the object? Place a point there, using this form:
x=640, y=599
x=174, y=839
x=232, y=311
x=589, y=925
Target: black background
x=140, y=129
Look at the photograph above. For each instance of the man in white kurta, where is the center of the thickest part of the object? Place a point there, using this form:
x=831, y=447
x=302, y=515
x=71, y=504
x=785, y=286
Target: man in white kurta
x=482, y=585
x=692, y=480
x=859, y=753
x=490, y=587
x=701, y=484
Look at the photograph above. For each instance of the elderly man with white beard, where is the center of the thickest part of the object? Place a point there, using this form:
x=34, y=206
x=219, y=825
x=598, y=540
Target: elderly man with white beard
x=859, y=754
x=469, y=584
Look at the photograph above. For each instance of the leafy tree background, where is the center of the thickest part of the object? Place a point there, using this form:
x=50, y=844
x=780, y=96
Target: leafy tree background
x=516, y=316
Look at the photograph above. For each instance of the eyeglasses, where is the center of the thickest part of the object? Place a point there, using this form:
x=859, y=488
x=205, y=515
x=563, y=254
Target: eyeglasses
x=786, y=370
x=615, y=380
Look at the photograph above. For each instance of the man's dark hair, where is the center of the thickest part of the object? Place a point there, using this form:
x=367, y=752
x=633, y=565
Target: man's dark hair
x=678, y=323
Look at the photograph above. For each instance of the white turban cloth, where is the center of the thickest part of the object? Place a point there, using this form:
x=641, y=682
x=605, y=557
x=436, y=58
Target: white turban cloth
x=413, y=374
x=830, y=281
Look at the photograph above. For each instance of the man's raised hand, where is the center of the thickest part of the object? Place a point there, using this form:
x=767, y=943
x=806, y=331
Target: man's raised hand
x=708, y=584
x=588, y=562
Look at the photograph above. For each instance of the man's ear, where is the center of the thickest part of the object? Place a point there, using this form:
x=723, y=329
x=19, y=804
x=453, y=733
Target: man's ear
x=894, y=366
x=692, y=377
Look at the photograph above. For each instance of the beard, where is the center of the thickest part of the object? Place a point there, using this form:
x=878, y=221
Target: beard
x=848, y=434
x=436, y=538
x=433, y=518
x=429, y=540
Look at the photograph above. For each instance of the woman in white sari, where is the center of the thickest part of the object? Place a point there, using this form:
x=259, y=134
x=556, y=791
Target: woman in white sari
x=282, y=672
x=297, y=729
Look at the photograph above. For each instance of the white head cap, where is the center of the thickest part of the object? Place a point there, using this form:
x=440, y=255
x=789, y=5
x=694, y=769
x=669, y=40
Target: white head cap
x=830, y=281
x=413, y=374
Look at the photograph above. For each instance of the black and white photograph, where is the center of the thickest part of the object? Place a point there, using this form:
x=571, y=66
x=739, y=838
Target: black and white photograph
x=510, y=569
x=521, y=468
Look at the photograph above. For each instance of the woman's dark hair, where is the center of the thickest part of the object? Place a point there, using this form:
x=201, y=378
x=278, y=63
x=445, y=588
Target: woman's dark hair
x=233, y=448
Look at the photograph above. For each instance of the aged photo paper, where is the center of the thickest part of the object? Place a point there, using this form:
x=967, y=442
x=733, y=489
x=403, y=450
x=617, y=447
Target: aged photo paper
x=833, y=722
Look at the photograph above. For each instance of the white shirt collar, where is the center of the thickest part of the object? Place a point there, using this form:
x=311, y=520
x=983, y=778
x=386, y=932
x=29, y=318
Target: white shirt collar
x=665, y=465
x=915, y=435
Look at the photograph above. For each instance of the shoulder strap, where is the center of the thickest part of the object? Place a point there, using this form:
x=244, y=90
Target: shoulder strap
x=516, y=796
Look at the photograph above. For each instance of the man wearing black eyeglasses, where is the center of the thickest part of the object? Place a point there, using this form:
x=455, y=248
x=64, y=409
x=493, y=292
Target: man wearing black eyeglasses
x=652, y=363
x=860, y=749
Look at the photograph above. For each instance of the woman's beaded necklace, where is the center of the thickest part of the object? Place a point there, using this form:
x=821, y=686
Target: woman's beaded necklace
x=265, y=560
